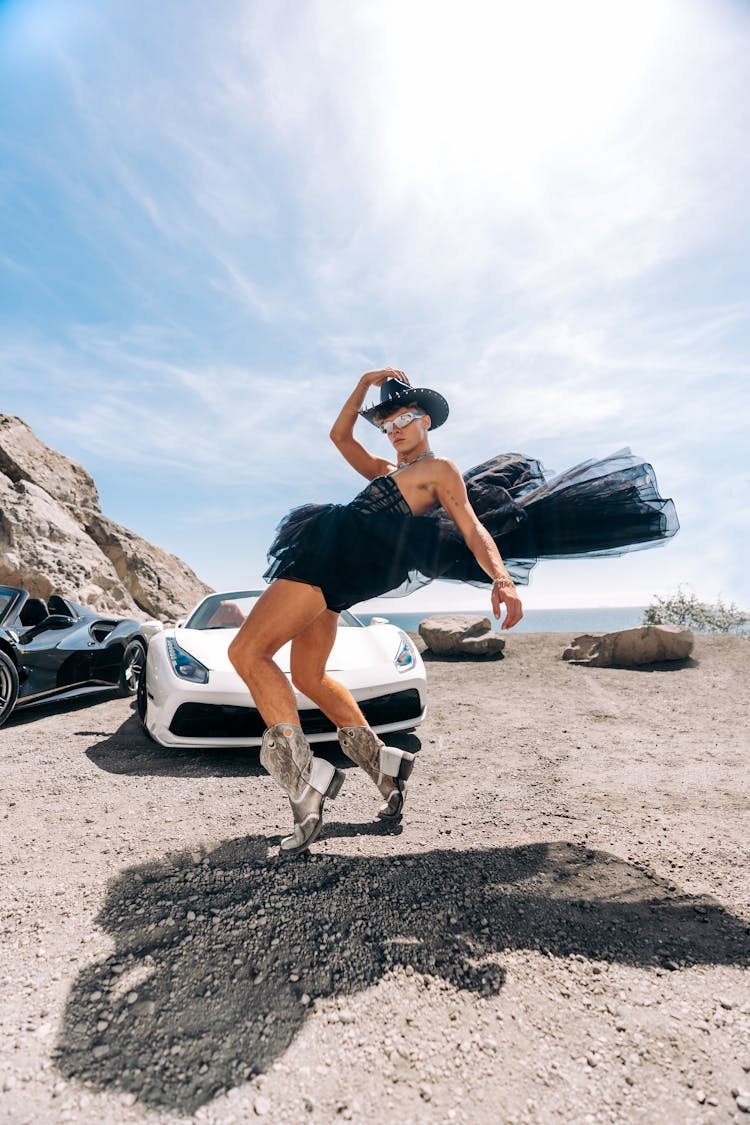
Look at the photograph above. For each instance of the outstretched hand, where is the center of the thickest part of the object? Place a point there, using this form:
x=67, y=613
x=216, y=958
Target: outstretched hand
x=507, y=596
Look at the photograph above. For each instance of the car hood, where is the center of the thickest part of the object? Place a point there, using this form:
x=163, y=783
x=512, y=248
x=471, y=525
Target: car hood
x=353, y=648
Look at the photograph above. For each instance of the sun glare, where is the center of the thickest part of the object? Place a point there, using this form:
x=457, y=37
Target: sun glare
x=492, y=90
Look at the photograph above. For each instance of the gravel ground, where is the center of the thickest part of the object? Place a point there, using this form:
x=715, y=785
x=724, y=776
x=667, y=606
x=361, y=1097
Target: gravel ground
x=559, y=931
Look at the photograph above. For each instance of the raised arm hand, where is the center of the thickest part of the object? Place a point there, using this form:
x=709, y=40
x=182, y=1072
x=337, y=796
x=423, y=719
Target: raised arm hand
x=342, y=431
x=451, y=492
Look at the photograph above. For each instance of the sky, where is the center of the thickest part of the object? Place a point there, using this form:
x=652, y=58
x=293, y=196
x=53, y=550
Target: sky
x=215, y=217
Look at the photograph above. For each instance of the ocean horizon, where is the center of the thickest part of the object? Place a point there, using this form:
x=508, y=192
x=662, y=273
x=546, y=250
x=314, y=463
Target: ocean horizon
x=588, y=619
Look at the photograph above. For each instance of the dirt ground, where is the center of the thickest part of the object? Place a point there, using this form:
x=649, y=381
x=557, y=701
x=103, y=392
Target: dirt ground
x=559, y=931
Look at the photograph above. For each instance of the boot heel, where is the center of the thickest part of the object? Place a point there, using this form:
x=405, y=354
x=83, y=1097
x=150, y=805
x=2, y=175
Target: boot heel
x=407, y=765
x=337, y=781
x=325, y=778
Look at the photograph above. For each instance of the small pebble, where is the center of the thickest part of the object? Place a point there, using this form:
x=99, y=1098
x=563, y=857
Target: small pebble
x=261, y=1106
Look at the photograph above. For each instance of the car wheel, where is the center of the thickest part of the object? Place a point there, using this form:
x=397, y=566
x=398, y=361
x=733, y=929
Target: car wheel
x=132, y=665
x=8, y=686
x=141, y=704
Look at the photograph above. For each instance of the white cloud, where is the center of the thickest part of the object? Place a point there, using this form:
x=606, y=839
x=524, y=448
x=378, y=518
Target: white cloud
x=120, y=399
x=529, y=148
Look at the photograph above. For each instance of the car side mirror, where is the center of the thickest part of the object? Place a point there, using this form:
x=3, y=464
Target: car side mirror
x=150, y=627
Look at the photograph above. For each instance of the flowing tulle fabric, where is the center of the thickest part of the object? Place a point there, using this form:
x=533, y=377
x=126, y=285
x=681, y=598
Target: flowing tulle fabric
x=374, y=546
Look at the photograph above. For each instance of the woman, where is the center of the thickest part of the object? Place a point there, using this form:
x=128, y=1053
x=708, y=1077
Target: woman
x=310, y=586
x=413, y=522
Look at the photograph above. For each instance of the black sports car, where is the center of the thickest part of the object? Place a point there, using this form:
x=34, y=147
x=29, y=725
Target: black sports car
x=61, y=648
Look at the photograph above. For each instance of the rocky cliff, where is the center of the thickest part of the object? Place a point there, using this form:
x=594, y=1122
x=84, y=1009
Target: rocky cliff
x=54, y=537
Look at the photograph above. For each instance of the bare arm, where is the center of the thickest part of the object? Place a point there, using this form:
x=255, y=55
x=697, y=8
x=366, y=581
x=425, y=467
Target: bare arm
x=451, y=492
x=342, y=431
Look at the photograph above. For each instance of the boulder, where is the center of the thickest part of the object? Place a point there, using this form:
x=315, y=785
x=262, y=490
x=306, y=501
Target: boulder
x=24, y=457
x=460, y=634
x=44, y=550
x=629, y=648
x=54, y=538
x=157, y=581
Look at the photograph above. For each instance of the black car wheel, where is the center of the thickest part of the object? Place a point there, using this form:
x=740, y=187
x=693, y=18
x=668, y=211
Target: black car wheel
x=141, y=704
x=8, y=686
x=133, y=662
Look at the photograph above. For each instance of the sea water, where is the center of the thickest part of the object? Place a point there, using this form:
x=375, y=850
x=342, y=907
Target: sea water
x=599, y=619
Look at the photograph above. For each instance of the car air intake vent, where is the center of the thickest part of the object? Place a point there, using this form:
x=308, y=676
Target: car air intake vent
x=208, y=720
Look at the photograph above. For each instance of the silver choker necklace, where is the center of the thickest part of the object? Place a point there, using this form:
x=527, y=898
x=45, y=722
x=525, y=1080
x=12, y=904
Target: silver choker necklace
x=403, y=464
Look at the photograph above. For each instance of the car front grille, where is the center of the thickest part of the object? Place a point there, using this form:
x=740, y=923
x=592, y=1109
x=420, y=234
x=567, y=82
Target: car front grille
x=211, y=720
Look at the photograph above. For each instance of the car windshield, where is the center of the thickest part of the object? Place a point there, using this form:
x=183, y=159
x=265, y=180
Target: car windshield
x=5, y=600
x=228, y=611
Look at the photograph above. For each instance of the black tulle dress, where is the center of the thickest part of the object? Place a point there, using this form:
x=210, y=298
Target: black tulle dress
x=375, y=546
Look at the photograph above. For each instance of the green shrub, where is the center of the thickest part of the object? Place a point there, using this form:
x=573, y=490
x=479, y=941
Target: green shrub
x=685, y=609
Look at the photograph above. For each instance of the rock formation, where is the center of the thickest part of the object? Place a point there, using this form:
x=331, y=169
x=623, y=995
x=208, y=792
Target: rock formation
x=460, y=634
x=629, y=648
x=54, y=537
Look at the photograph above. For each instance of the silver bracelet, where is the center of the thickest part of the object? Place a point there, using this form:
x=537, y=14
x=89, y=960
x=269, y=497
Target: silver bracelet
x=504, y=582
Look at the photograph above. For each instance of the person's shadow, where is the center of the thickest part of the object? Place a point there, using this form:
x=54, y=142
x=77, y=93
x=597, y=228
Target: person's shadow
x=219, y=962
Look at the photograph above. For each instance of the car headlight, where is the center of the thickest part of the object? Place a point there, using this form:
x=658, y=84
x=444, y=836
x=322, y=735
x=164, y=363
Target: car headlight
x=184, y=665
x=405, y=656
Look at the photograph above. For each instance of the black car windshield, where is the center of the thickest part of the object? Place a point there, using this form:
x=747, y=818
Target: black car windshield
x=5, y=600
x=228, y=611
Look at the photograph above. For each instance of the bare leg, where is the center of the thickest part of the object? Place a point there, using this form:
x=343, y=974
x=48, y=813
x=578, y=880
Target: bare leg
x=310, y=651
x=388, y=766
x=283, y=611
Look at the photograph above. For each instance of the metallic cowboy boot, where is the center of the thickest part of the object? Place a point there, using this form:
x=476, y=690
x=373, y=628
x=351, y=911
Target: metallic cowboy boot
x=388, y=766
x=306, y=780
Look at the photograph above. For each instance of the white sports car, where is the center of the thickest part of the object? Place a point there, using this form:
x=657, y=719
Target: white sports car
x=189, y=694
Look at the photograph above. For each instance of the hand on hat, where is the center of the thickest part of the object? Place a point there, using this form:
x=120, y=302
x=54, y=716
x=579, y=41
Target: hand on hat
x=377, y=378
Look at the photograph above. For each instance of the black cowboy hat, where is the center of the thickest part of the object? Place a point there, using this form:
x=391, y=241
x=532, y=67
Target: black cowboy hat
x=394, y=393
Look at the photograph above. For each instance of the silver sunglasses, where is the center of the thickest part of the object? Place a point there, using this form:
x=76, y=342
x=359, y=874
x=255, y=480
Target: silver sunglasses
x=400, y=423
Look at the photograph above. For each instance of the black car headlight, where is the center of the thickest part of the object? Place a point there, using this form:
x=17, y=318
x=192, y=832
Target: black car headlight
x=406, y=655
x=184, y=665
